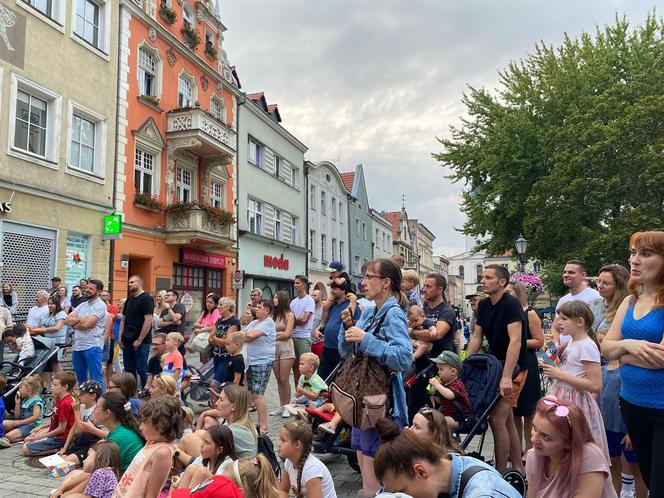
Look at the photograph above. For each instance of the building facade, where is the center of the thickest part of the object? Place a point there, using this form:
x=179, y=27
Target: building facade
x=359, y=223
x=382, y=235
x=328, y=221
x=176, y=151
x=422, y=241
x=402, y=243
x=56, y=163
x=272, y=201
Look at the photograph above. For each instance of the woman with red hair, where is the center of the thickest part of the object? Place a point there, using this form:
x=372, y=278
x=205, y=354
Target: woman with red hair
x=564, y=461
x=635, y=338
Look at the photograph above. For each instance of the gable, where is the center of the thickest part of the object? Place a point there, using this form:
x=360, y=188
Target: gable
x=148, y=132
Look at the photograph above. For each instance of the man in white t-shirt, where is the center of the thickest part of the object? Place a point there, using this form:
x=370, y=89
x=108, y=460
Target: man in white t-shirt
x=38, y=312
x=303, y=307
x=573, y=278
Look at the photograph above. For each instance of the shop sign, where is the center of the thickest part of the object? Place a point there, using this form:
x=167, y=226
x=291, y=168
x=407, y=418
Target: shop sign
x=112, y=229
x=76, y=259
x=238, y=279
x=6, y=206
x=202, y=258
x=188, y=301
x=279, y=263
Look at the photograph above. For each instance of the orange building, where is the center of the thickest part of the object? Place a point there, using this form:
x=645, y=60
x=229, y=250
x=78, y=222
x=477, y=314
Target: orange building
x=177, y=141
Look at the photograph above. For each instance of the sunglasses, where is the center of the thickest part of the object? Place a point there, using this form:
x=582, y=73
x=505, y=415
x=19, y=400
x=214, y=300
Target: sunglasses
x=425, y=410
x=561, y=411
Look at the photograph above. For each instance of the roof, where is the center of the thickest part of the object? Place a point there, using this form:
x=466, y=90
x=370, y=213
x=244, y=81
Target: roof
x=255, y=95
x=348, y=179
x=393, y=217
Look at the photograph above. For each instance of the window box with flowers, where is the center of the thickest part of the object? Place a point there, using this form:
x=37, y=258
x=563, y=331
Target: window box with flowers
x=179, y=209
x=218, y=215
x=167, y=14
x=191, y=35
x=210, y=51
x=145, y=201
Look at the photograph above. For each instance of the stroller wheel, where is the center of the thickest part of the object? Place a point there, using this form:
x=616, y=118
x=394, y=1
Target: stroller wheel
x=517, y=480
x=47, y=397
x=354, y=464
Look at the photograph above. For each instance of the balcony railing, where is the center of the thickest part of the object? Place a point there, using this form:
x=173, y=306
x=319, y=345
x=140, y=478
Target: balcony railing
x=194, y=225
x=196, y=130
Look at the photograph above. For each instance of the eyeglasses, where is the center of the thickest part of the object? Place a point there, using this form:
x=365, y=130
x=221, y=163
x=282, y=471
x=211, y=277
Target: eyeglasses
x=561, y=410
x=425, y=410
x=156, y=344
x=369, y=276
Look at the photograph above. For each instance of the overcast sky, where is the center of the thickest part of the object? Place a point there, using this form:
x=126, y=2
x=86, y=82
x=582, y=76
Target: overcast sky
x=376, y=81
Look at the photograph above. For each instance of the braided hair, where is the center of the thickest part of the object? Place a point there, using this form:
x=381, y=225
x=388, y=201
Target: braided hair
x=298, y=430
x=117, y=404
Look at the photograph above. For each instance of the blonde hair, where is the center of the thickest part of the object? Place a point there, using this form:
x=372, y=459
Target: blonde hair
x=311, y=358
x=254, y=476
x=35, y=384
x=175, y=336
x=169, y=382
x=411, y=276
x=188, y=416
x=228, y=302
x=235, y=337
x=239, y=396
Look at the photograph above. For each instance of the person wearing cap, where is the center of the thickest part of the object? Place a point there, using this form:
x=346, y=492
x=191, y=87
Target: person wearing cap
x=449, y=390
x=213, y=487
x=79, y=441
x=55, y=283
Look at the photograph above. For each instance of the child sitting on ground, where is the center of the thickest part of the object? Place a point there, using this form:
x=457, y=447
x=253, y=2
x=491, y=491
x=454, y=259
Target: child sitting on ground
x=46, y=440
x=18, y=338
x=172, y=360
x=417, y=320
x=28, y=409
x=102, y=465
x=79, y=441
x=450, y=390
x=310, y=386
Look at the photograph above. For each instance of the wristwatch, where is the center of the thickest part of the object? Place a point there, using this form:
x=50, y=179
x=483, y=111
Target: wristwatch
x=176, y=454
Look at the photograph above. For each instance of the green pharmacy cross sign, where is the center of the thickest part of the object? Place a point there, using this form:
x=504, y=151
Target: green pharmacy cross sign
x=112, y=227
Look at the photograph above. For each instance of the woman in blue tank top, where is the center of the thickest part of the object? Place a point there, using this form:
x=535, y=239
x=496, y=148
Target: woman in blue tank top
x=635, y=338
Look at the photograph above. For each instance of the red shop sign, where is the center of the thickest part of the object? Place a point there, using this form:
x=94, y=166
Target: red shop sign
x=201, y=258
x=279, y=263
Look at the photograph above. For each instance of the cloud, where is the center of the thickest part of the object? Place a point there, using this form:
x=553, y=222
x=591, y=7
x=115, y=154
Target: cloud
x=375, y=82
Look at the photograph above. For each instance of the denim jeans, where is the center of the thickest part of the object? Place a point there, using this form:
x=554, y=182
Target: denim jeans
x=87, y=365
x=136, y=360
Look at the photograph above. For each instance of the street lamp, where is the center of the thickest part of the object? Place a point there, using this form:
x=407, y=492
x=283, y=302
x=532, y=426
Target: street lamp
x=521, y=246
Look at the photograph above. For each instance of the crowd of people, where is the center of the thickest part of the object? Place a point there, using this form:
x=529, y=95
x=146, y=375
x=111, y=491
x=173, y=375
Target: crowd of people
x=121, y=426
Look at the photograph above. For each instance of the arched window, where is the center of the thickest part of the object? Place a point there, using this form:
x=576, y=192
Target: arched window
x=461, y=271
x=537, y=267
x=478, y=273
x=188, y=15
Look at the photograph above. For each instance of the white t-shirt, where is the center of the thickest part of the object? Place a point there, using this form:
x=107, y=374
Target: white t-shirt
x=313, y=468
x=592, y=298
x=299, y=306
x=35, y=316
x=222, y=466
x=578, y=352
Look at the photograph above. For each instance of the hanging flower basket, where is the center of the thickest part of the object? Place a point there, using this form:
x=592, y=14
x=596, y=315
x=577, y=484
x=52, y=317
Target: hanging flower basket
x=191, y=35
x=167, y=14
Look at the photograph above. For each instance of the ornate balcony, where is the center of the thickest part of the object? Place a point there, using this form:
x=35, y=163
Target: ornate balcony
x=193, y=225
x=194, y=130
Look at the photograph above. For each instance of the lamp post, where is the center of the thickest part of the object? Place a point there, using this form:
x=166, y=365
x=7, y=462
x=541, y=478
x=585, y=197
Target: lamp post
x=521, y=246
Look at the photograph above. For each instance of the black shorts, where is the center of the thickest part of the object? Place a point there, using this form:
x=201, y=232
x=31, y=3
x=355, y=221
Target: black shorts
x=81, y=444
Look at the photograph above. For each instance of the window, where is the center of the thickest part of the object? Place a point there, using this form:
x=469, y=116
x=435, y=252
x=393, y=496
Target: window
x=87, y=22
x=31, y=128
x=147, y=72
x=82, y=151
x=143, y=172
x=312, y=197
x=51, y=11
x=357, y=227
x=295, y=232
x=334, y=248
x=217, y=194
x=323, y=203
x=461, y=271
x=185, y=91
x=255, y=217
x=377, y=238
x=188, y=16
x=255, y=153
x=43, y=6
x=277, y=224
x=385, y=242
x=218, y=109
x=341, y=218
x=537, y=267
x=334, y=208
x=364, y=231
x=356, y=265
x=323, y=242
x=277, y=166
x=312, y=243
x=478, y=273
x=341, y=251
x=183, y=185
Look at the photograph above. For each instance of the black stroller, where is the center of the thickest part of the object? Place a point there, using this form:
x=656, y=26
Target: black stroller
x=199, y=382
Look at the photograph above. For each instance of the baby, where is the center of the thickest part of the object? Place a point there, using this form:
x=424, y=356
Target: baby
x=417, y=320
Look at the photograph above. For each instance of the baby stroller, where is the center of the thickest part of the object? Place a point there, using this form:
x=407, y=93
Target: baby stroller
x=199, y=382
x=15, y=373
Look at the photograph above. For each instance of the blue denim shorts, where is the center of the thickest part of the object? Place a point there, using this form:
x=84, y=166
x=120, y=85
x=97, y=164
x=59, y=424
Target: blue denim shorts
x=367, y=440
x=25, y=430
x=50, y=444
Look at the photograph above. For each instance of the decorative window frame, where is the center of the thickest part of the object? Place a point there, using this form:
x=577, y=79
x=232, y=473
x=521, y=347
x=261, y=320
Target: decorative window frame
x=105, y=14
x=189, y=165
x=186, y=6
x=57, y=21
x=194, y=88
x=222, y=104
x=159, y=68
x=152, y=145
x=98, y=173
x=222, y=180
x=53, y=125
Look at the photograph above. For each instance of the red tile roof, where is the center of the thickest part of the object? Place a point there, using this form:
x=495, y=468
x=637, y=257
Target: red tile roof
x=348, y=179
x=271, y=107
x=255, y=96
x=394, y=217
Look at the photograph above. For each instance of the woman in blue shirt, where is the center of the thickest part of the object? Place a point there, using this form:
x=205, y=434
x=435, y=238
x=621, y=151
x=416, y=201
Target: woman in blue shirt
x=390, y=346
x=635, y=338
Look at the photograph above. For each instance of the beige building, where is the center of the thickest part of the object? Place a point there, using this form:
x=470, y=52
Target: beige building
x=422, y=240
x=58, y=86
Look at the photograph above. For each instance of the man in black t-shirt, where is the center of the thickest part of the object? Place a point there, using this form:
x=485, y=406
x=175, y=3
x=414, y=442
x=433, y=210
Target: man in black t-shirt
x=499, y=320
x=440, y=312
x=154, y=363
x=172, y=318
x=136, y=336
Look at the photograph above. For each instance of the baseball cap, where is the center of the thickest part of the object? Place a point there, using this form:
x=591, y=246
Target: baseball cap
x=56, y=279
x=448, y=358
x=482, y=295
x=213, y=487
x=91, y=387
x=335, y=266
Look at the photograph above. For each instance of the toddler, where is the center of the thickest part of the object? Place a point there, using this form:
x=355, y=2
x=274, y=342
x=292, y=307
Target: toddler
x=18, y=338
x=172, y=360
x=234, y=372
x=28, y=410
x=417, y=320
x=310, y=386
x=450, y=390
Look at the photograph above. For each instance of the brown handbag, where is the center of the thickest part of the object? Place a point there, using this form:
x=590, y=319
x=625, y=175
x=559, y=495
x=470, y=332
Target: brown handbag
x=361, y=391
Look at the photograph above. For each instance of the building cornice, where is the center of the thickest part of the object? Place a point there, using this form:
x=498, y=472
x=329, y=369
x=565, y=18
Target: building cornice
x=59, y=197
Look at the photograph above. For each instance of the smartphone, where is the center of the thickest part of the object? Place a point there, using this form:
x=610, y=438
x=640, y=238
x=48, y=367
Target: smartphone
x=546, y=358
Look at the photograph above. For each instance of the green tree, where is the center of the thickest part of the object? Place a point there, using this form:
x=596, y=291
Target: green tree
x=569, y=150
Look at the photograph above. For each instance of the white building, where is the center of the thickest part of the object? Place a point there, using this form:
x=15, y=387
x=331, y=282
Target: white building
x=382, y=235
x=328, y=220
x=468, y=265
x=422, y=240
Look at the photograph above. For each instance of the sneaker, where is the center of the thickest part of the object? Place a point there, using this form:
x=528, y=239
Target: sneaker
x=277, y=412
x=328, y=427
x=4, y=442
x=285, y=413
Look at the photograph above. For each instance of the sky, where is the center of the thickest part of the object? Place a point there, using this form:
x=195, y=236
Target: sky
x=377, y=81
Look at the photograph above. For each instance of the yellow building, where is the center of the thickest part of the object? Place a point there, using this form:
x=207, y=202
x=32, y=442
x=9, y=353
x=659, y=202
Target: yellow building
x=58, y=87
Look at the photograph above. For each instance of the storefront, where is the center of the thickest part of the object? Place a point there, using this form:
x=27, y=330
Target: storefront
x=269, y=266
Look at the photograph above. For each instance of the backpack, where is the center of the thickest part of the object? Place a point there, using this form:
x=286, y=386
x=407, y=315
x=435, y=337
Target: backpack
x=361, y=391
x=266, y=447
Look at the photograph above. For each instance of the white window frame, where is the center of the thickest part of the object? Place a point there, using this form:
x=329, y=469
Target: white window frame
x=357, y=266
x=312, y=243
x=295, y=231
x=221, y=199
x=357, y=228
x=364, y=231
x=102, y=49
x=220, y=113
x=99, y=165
x=180, y=186
x=377, y=239
x=256, y=152
x=313, y=198
x=144, y=171
x=333, y=208
x=53, y=120
x=257, y=211
x=58, y=12
x=278, y=228
x=157, y=83
x=341, y=218
x=277, y=166
x=341, y=251
x=323, y=203
x=323, y=242
x=194, y=89
x=186, y=7
x=142, y=143
x=334, y=248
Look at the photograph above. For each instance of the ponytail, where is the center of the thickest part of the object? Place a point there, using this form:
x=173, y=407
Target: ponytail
x=118, y=405
x=299, y=431
x=254, y=476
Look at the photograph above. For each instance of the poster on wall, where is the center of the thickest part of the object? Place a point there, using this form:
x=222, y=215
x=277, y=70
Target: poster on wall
x=76, y=259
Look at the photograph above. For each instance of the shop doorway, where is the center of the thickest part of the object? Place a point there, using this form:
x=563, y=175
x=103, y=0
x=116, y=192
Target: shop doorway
x=198, y=282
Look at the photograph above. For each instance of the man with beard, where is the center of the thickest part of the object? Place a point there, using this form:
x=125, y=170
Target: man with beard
x=136, y=336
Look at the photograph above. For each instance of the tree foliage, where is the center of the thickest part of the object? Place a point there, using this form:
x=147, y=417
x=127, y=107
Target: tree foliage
x=569, y=150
